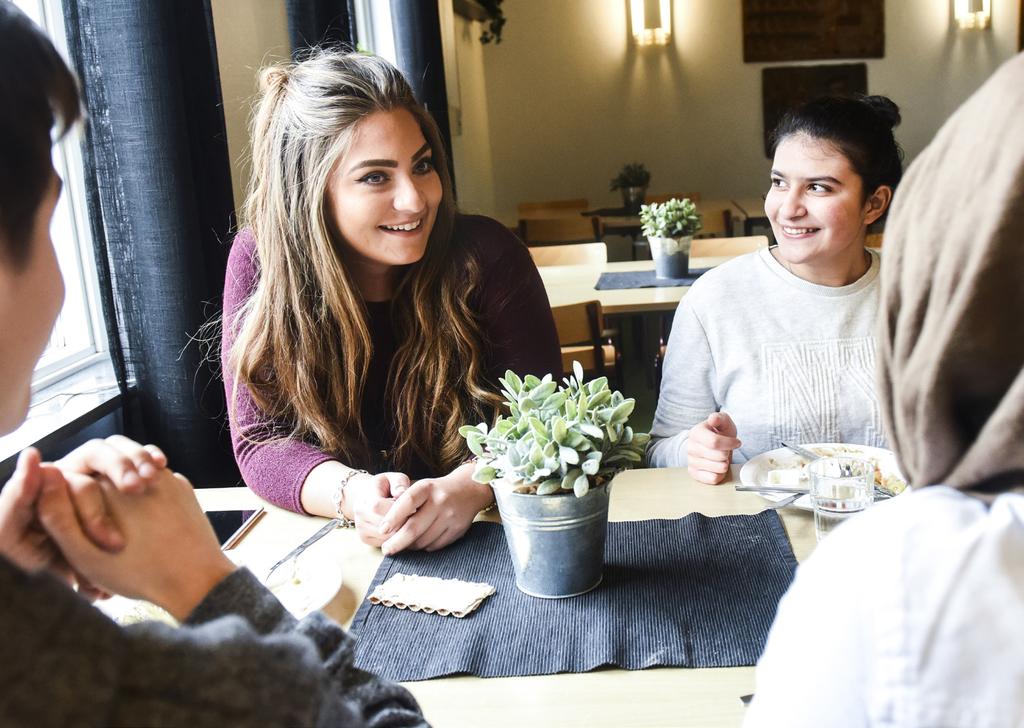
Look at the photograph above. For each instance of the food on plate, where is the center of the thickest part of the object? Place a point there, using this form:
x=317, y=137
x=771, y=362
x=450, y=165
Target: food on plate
x=887, y=481
x=791, y=471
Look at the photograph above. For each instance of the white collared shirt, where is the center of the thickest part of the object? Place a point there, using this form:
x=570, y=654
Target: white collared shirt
x=911, y=615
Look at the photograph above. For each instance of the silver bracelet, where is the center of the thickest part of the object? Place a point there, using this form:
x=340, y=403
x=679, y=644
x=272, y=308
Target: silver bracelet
x=338, y=497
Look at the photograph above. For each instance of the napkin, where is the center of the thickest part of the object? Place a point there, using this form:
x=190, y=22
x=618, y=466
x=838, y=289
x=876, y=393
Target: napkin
x=431, y=595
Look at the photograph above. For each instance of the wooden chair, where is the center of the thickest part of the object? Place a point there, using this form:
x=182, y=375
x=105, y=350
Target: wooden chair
x=874, y=240
x=578, y=254
x=557, y=230
x=716, y=219
x=552, y=208
x=579, y=327
x=722, y=247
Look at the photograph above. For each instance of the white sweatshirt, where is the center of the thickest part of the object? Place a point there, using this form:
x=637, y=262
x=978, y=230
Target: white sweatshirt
x=785, y=358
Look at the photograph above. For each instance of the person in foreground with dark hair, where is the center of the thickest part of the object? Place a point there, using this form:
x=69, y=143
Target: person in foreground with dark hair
x=112, y=515
x=910, y=614
x=778, y=344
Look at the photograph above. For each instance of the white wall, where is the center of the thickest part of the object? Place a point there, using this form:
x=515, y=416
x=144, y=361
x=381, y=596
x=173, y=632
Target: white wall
x=570, y=99
x=469, y=118
x=565, y=99
x=250, y=34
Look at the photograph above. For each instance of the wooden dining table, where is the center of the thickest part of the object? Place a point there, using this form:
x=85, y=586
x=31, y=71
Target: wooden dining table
x=676, y=697
x=568, y=284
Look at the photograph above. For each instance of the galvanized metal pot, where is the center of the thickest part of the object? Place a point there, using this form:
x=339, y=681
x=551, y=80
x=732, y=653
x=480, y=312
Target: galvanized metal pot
x=556, y=541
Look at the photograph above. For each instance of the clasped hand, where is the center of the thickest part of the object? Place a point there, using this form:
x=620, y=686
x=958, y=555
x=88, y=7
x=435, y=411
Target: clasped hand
x=429, y=514
x=105, y=515
x=25, y=543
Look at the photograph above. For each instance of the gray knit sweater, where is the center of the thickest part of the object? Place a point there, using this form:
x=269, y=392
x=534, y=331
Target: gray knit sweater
x=240, y=659
x=786, y=358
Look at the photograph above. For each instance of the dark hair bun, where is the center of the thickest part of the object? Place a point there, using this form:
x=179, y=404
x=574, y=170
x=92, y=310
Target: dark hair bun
x=859, y=126
x=884, y=108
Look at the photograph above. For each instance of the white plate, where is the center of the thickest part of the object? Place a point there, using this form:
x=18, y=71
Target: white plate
x=313, y=581
x=784, y=467
x=305, y=585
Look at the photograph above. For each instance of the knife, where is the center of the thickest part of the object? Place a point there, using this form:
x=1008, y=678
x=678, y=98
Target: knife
x=297, y=551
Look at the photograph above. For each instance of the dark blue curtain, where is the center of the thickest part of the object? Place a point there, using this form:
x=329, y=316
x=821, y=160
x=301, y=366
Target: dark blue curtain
x=161, y=208
x=417, y=31
x=320, y=23
x=416, y=27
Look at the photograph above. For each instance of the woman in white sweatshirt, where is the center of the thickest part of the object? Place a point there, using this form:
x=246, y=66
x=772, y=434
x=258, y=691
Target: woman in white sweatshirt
x=778, y=344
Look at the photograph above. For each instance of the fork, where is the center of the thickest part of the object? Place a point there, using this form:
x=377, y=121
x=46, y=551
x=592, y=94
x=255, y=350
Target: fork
x=297, y=551
x=801, y=451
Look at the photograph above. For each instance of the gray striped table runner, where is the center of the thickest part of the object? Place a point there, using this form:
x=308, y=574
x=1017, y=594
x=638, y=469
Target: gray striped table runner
x=641, y=279
x=692, y=592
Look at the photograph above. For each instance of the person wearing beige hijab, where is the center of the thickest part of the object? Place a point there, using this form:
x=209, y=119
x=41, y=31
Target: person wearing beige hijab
x=910, y=614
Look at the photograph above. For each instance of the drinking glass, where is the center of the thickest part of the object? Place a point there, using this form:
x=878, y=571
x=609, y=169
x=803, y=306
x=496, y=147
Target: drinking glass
x=841, y=487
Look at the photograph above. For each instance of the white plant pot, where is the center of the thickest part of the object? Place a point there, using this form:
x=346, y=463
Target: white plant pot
x=671, y=256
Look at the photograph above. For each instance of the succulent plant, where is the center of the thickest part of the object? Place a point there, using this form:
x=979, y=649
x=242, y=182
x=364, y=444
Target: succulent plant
x=674, y=218
x=556, y=439
x=634, y=174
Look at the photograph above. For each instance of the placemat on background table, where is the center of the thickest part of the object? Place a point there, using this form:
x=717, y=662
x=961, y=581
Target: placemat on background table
x=642, y=279
x=692, y=592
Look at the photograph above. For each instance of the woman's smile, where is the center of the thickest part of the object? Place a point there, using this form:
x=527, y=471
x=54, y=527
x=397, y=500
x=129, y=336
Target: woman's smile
x=403, y=228
x=383, y=198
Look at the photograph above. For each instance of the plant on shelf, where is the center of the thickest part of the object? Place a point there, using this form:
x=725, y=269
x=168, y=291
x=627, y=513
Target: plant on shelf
x=556, y=439
x=669, y=228
x=633, y=174
x=633, y=180
x=495, y=21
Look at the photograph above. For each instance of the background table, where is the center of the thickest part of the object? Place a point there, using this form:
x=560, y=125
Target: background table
x=567, y=284
x=674, y=697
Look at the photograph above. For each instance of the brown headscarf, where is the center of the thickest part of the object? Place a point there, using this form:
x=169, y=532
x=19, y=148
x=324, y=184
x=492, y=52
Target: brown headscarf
x=951, y=330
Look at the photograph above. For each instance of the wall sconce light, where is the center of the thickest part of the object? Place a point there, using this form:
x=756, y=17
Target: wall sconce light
x=972, y=13
x=651, y=21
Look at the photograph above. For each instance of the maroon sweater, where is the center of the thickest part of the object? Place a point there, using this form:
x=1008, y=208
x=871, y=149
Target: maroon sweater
x=515, y=316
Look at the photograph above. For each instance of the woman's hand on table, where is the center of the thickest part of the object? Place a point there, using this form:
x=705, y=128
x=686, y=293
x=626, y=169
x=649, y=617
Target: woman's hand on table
x=370, y=497
x=433, y=512
x=170, y=555
x=709, y=448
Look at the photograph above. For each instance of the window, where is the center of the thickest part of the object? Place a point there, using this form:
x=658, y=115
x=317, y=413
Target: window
x=78, y=339
x=74, y=379
x=373, y=27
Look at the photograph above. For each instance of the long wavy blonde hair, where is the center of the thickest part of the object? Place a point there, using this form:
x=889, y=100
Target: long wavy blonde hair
x=303, y=346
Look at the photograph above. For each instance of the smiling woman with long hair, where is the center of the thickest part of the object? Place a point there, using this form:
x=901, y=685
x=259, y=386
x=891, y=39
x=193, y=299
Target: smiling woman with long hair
x=365, y=319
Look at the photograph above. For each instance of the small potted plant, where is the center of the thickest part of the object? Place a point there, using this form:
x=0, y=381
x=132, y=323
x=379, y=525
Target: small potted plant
x=669, y=228
x=551, y=462
x=633, y=180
